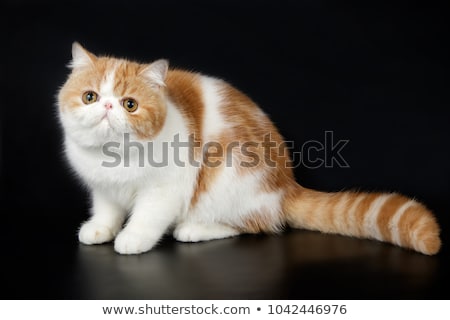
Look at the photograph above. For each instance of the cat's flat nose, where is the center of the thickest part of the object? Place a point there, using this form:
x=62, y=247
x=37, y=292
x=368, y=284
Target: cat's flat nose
x=108, y=105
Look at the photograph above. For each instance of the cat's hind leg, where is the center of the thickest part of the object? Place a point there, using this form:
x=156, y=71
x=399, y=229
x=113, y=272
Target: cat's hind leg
x=195, y=231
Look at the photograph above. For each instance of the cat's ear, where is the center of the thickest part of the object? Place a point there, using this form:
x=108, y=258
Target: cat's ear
x=81, y=57
x=156, y=72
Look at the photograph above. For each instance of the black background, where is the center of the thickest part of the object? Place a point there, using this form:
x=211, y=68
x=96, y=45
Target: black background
x=372, y=73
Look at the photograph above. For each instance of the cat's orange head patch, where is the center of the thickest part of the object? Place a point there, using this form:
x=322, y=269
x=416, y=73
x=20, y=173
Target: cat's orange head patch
x=104, y=97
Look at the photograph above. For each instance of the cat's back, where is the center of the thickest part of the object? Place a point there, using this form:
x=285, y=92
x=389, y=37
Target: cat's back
x=184, y=88
x=195, y=90
x=213, y=107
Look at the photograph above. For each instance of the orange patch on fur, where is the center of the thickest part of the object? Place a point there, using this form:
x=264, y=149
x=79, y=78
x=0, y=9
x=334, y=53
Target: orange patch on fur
x=428, y=235
x=300, y=206
x=260, y=222
x=387, y=211
x=330, y=217
x=418, y=230
x=343, y=218
x=406, y=225
x=183, y=88
x=205, y=178
x=361, y=211
x=148, y=120
x=253, y=129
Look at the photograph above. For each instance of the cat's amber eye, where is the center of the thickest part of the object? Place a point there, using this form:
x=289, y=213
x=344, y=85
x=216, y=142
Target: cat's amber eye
x=89, y=97
x=129, y=104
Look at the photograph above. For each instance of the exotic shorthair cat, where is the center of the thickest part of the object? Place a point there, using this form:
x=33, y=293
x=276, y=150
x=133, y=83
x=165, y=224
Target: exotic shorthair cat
x=117, y=115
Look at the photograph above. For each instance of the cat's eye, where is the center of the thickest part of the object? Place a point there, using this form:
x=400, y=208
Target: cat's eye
x=89, y=97
x=129, y=104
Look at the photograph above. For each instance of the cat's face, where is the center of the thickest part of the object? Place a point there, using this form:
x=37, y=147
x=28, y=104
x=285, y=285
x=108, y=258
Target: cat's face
x=103, y=98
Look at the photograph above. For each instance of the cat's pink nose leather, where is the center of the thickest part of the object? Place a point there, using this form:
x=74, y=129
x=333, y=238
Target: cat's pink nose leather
x=108, y=105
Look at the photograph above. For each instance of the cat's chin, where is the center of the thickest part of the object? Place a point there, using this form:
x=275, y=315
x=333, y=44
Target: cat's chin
x=95, y=138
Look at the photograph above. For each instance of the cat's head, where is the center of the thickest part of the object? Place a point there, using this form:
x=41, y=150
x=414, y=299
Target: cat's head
x=104, y=97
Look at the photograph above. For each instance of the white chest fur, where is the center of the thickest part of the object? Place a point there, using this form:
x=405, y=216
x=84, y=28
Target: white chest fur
x=123, y=169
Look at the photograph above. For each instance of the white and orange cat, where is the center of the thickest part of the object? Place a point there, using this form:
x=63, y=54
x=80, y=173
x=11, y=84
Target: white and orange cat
x=134, y=203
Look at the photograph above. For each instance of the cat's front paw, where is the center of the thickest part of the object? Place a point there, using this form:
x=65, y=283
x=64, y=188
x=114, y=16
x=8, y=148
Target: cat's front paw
x=93, y=233
x=132, y=243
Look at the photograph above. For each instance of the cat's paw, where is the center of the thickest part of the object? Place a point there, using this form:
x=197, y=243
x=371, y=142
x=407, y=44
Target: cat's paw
x=93, y=233
x=195, y=232
x=189, y=233
x=132, y=243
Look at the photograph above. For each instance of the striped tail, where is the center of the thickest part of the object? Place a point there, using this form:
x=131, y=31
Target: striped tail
x=382, y=216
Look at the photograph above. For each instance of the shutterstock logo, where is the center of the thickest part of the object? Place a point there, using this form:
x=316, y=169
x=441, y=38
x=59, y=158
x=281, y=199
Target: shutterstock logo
x=327, y=153
x=312, y=154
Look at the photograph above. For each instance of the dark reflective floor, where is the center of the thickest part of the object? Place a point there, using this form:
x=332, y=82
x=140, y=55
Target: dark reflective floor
x=371, y=72
x=294, y=265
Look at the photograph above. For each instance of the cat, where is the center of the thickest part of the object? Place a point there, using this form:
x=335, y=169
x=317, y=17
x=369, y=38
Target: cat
x=201, y=193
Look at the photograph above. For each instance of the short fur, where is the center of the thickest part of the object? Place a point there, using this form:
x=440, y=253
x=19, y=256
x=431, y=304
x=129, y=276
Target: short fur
x=202, y=202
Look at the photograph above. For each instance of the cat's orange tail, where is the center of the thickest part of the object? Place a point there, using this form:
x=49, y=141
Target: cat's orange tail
x=381, y=216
